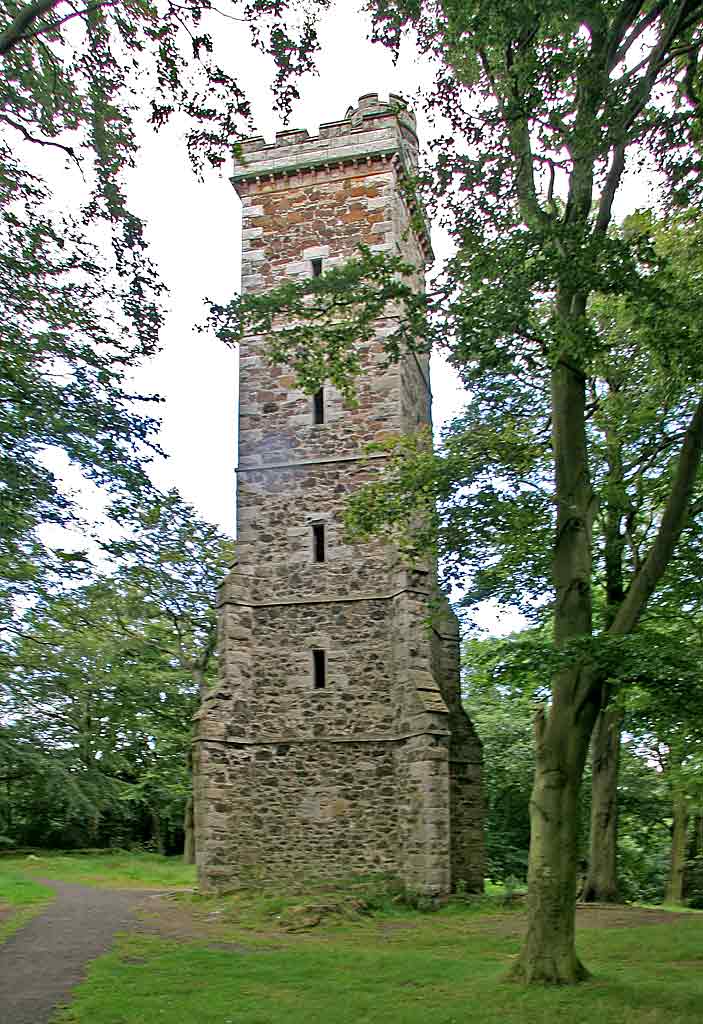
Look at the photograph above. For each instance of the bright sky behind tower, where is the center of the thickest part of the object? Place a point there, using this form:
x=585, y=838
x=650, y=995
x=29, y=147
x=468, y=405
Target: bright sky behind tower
x=194, y=230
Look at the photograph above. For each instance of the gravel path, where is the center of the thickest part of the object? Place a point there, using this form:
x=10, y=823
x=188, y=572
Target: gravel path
x=42, y=962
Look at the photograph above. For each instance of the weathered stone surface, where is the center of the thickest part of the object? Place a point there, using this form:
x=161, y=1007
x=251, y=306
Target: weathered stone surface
x=379, y=770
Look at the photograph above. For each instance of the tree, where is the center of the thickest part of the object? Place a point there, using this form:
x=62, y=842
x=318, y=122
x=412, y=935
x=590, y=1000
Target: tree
x=100, y=682
x=665, y=715
x=546, y=106
x=66, y=351
x=502, y=694
x=81, y=300
x=174, y=564
x=87, y=709
x=171, y=564
x=504, y=685
x=640, y=418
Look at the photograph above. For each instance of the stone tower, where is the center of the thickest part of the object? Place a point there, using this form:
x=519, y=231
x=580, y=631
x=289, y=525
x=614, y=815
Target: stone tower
x=335, y=742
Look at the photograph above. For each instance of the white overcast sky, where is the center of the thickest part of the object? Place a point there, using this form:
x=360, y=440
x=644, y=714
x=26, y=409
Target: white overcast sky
x=194, y=229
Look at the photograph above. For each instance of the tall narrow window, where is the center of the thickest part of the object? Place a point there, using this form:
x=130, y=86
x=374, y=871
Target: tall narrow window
x=318, y=542
x=319, y=670
x=316, y=267
x=318, y=406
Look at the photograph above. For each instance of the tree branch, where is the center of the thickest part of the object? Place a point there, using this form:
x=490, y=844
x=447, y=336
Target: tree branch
x=623, y=20
x=643, y=89
x=612, y=182
x=43, y=29
x=673, y=521
x=68, y=150
x=520, y=147
x=15, y=31
x=637, y=30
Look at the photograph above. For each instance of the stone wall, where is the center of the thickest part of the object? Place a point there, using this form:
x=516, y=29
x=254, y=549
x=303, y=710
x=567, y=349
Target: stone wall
x=379, y=769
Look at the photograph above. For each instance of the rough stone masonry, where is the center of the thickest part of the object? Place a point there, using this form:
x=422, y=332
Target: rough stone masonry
x=335, y=742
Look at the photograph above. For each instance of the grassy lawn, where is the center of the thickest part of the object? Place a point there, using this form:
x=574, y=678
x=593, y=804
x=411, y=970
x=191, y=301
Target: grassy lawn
x=20, y=898
x=111, y=870
x=400, y=967
x=353, y=956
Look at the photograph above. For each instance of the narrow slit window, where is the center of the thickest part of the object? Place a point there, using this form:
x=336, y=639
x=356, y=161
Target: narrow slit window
x=318, y=406
x=319, y=669
x=316, y=267
x=318, y=542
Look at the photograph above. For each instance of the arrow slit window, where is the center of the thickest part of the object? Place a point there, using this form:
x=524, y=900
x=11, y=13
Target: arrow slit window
x=319, y=670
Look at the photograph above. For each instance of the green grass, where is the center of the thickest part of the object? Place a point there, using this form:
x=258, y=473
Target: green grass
x=24, y=897
x=17, y=891
x=27, y=897
x=111, y=870
x=673, y=908
x=371, y=959
x=444, y=968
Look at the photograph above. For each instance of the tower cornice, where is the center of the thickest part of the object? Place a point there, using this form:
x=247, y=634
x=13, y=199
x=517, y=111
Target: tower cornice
x=373, y=133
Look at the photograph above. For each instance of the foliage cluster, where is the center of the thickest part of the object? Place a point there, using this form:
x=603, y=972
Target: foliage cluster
x=82, y=301
x=659, y=759
x=99, y=685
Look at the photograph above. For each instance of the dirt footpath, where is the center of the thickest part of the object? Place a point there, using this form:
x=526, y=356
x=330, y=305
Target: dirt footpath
x=42, y=962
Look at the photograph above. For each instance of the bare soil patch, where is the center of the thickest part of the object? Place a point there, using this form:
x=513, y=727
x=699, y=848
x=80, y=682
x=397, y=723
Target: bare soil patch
x=190, y=922
x=590, y=915
x=193, y=922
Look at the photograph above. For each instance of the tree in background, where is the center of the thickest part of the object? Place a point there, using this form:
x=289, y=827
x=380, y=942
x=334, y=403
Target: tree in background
x=665, y=716
x=545, y=107
x=501, y=695
x=174, y=564
x=99, y=685
x=656, y=688
x=81, y=300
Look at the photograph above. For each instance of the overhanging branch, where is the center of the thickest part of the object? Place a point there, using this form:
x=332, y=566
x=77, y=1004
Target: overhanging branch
x=17, y=32
x=673, y=522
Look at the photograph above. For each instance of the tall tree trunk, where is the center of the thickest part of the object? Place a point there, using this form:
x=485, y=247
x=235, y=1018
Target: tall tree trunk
x=8, y=810
x=549, y=954
x=189, y=815
x=189, y=830
x=198, y=672
x=679, y=843
x=601, y=884
x=601, y=881
x=159, y=838
x=693, y=873
x=563, y=733
x=696, y=845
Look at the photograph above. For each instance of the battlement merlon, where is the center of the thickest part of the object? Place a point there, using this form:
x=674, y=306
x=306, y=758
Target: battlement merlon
x=373, y=131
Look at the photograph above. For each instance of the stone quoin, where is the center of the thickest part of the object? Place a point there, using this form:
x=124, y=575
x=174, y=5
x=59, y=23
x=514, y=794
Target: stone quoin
x=335, y=742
